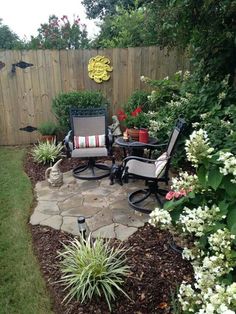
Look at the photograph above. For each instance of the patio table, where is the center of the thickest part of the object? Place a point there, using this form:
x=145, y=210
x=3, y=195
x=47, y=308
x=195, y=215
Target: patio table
x=136, y=148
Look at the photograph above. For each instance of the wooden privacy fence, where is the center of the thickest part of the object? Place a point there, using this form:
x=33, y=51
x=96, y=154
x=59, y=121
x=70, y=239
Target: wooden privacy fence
x=26, y=94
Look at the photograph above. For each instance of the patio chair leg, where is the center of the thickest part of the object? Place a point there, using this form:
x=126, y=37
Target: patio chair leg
x=134, y=203
x=91, y=165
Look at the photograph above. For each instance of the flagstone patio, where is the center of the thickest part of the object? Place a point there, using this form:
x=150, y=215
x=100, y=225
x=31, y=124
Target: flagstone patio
x=104, y=206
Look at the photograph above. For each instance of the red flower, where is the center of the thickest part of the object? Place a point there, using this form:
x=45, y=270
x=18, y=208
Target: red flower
x=136, y=111
x=121, y=115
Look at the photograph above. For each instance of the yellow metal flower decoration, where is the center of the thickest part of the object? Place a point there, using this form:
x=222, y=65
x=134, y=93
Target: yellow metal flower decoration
x=98, y=69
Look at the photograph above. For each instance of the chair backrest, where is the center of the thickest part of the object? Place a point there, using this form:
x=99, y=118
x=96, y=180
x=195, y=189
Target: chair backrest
x=88, y=121
x=179, y=126
x=180, y=123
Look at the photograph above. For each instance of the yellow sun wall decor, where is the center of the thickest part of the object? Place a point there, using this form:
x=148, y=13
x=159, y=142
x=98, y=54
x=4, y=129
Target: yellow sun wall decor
x=98, y=69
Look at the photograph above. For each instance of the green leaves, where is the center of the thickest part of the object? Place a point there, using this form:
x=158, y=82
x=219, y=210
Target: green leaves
x=214, y=178
x=231, y=218
x=202, y=175
x=209, y=176
x=62, y=103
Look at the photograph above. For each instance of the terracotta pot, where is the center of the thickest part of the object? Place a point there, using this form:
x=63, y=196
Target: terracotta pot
x=133, y=134
x=143, y=135
x=49, y=138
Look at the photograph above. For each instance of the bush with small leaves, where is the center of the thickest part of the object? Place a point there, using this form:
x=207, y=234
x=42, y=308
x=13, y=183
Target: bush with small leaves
x=62, y=103
x=46, y=152
x=92, y=269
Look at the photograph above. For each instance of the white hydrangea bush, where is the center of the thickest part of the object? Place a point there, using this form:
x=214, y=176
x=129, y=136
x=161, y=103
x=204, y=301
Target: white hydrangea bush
x=204, y=215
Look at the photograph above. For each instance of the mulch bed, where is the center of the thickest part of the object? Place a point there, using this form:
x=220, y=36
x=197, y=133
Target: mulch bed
x=156, y=269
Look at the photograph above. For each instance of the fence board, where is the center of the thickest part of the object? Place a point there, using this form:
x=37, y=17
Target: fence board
x=26, y=95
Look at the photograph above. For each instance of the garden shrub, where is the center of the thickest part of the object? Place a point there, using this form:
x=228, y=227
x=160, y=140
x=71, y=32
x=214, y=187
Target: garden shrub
x=83, y=99
x=92, y=269
x=202, y=207
x=163, y=90
x=138, y=98
x=206, y=103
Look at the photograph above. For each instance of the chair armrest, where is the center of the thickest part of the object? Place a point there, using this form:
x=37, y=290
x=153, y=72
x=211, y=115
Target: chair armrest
x=68, y=143
x=156, y=146
x=109, y=141
x=125, y=160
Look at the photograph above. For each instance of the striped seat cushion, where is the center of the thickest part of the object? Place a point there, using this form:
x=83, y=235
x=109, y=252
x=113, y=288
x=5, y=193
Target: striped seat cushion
x=89, y=141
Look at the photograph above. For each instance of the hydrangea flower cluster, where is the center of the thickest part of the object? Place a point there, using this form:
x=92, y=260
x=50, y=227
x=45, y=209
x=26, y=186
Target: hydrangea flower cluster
x=221, y=241
x=152, y=96
x=198, y=147
x=154, y=124
x=212, y=268
x=161, y=218
x=194, y=254
x=229, y=161
x=218, y=300
x=187, y=297
x=185, y=181
x=210, y=295
x=197, y=220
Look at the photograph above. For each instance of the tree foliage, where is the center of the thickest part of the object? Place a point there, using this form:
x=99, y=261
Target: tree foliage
x=127, y=28
x=60, y=33
x=102, y=8
x=8, y=39
x=207, y=27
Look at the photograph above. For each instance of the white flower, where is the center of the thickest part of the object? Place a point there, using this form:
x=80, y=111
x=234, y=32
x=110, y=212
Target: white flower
x=179, y=72
x=195, y=124
x=198, y=219
x=185, y=181
x=198, y=147
x=144, y=79
x=221, y=241
x=221, y=96
x=186, y=75
x=229, y=164
x=160, y=217
x=206, y=78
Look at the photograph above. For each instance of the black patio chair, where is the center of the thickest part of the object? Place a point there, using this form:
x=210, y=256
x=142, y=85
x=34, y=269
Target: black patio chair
x=152, y=171
x=89, y=138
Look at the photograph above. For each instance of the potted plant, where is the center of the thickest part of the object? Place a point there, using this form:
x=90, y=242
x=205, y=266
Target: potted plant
x=48, y=131
x=134, y=121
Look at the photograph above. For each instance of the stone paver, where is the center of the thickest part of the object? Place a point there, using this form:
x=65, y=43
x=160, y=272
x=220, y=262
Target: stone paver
x=47, y=207
x=53, y=221
x=123, y=232
x=104, y=206
x=105, y=232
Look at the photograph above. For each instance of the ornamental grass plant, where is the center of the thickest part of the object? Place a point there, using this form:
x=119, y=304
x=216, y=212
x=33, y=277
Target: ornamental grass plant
x=46, y=152
x=92, y=270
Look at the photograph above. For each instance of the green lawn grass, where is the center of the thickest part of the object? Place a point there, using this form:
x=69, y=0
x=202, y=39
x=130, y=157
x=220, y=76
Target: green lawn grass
x=22, y=289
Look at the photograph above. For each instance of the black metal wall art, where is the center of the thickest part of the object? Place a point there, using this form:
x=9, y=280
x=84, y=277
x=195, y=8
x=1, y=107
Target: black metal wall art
x=21, y=64
x=28, y=128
